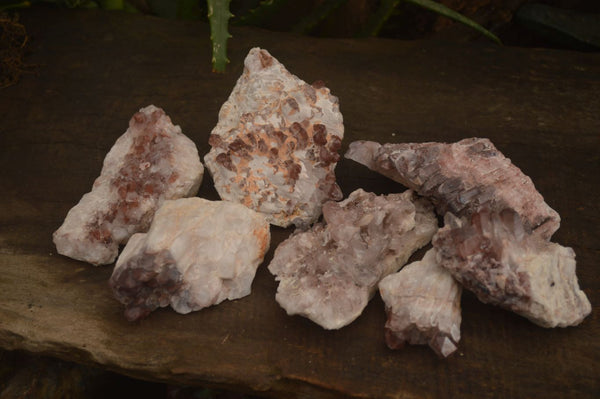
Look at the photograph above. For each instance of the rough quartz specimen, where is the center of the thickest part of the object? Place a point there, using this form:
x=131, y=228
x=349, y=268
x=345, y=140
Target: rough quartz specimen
x=153, y=161
x=330, y=272
x=498, y=259
x=197, y=253
x=461, y=178
x=423, y=306
x=275, y=146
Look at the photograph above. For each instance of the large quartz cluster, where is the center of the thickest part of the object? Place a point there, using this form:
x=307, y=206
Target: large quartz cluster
x=423, y=306
x=151, y=162
x=494, y=255
x=197, y=253
x=497, y=226
x=461, y=178
x=330, y=272
x=274, y=148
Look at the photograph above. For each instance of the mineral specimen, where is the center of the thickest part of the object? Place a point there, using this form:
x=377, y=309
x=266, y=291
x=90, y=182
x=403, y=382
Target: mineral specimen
x=497, y=258
x=153, y=161
x=423, y=306
x=197, y=253
x=274, y=148
x=330, y=272
x=461, y=178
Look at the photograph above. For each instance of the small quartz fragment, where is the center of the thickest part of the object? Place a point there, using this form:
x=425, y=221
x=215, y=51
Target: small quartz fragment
x=276, y=143
x=494, y=255
x=151, y=162
x=197, y=253
x=330, y=272
x=461, y=178
x=423, y=306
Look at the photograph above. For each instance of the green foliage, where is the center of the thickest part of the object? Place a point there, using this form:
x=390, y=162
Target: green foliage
x=9, y=5
x=258, y=16
x=104, y=4
x=219, y=14
x=447, y=12
x=310, y=21
x=218, y=17
x=379, y=18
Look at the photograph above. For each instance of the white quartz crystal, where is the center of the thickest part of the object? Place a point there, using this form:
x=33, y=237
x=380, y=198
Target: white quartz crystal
x=274, y=148
x=197, y=253
x=423, y=306
x=504, y=264
x=151, y=162
x=330, y=272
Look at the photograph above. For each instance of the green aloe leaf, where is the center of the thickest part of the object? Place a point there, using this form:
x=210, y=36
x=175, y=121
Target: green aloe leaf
x=218, y=17
x=447, y=12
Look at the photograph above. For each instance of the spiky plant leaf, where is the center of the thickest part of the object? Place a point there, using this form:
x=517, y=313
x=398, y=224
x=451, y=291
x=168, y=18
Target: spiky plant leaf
x=218, y=17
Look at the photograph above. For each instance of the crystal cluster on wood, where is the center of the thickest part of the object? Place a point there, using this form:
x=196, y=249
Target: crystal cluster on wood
x=274, y=148
x=197, y=253
x=151, y=162
x=494, y=255
x=330, y=272
x=461, y=178
x=423, y=306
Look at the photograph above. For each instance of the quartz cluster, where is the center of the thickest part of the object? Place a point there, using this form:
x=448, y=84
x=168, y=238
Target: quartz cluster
x=197, y=253
x=493, y=255
x=495, y=241
x=461, y=178
x=274, y=148
x=151, y=162
x=423, y=306
x=330, y=272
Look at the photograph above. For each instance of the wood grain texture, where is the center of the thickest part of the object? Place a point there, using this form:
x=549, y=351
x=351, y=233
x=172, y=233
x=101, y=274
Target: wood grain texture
x=95, y=69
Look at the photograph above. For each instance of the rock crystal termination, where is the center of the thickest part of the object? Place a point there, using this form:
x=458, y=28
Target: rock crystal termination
x=495, y=256
x=330, y=272
x=274, y=148
x=461, y=178
x=151, y=162
x=423, y=306
x=197, y=253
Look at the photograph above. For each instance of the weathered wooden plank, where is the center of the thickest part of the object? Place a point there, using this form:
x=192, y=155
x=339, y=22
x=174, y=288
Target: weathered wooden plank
x=540, y=107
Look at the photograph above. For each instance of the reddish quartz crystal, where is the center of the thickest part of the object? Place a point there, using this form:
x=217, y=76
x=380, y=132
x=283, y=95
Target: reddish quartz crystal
x=153, y=161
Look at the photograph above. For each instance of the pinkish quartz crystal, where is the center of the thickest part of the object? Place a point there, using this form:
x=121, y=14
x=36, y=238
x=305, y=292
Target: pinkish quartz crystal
x=197, y=253
x=461, y=178
x=496, y=257
x=151, y=162
x=274, y=148
x=330, y=272
x=423, y=306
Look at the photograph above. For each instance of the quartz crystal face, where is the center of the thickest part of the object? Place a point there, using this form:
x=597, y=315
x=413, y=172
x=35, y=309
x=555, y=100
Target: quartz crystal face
x=461, y=178
x=151, y=162
x=197, y=253
x=423, y=306
x=330, y=272
x=496, y=257
x=275, y=146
